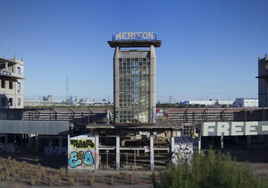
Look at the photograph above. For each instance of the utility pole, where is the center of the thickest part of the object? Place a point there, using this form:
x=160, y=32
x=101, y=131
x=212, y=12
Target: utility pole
x=67, y=88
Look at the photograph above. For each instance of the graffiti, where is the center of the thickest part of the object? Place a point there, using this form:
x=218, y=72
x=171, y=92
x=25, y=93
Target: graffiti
x=80, y=158
x=8, y=148
x=153, y=114
x=161, y=113
x=184, y=147
x=57, y=150
x=116, y=115
x=83, y=144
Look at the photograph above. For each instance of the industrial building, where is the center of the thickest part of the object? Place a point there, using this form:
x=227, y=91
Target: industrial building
x=263, y=81
x=247, y=102
x=134, y=134
x=12, y=83
x=209, y=103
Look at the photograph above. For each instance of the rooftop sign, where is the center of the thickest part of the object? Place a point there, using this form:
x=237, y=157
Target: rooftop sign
x=234, y=128
x=130, y=36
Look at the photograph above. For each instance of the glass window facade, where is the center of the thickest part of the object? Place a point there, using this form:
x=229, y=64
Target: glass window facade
x=134, y=90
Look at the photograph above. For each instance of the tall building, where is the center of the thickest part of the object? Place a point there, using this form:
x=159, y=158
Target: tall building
x=12, y=83
x=263, y=81
x=134, y=77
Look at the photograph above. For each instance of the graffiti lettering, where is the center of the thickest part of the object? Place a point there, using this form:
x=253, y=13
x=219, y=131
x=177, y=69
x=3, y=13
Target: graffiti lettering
x=184, y=147
x=80, y=158
x=8, y=148
x=116, y=115
x=83, y=144
x=161, y=113
x=57, y=150
x=153, y=114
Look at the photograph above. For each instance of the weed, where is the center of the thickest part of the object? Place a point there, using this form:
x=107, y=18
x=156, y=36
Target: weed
x=33, y=181
x=112, y=180
x=71, y=181
x=92, y=180
x=102, y=179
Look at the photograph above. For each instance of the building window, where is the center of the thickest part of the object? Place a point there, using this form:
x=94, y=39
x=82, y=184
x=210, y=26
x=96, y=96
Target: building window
x=10, y=100
x=10, y=85
x=19, y=101
x=3, y=83
x=3, y=101
x=18, y=70
x=18, y=86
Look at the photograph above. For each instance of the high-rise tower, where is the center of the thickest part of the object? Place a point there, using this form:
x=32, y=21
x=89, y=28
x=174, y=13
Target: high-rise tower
x=134, y=77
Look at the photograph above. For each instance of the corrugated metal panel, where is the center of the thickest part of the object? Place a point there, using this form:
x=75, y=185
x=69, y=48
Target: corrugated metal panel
x=35, y=127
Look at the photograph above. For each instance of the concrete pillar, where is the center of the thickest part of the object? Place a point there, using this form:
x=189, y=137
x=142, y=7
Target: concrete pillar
x=248, y=142
x=6, y=66
x=236, y=140
x=152, y=152
x=6, y=139
x=97, y=152
x=199, y=142
x=152, y=81
x=30, y=140
x=172, y=143
x=72, y=130
x=60, y=141
x=116, y=85
x=117, y=151
x=50, y=142
x=36, y=142
x=222, y=143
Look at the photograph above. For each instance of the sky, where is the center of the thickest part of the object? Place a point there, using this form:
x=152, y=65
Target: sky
x=210, y=48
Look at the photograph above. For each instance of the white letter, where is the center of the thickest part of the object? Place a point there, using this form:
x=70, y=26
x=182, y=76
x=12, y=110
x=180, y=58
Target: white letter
x=144, y=35
x=208, y=127
x=130, y=35
x=138, y=34
x=251, y=126
x=124, y=35
x=223, y=127
x=150, y=35
x=237, y=128
x=118, y=36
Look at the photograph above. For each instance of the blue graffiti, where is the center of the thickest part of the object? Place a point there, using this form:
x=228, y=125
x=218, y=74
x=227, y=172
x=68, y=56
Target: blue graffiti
x=88, y=159
x=77, y=159
x=73, y=161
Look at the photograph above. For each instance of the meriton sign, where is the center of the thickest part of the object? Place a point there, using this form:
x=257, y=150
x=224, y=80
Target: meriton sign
x=234, y=128
x=135, y=36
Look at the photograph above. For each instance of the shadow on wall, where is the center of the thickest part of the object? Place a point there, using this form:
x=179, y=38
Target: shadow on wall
x=4, y=103
x=6, y=113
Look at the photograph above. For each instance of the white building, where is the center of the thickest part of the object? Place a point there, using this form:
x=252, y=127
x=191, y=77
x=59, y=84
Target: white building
x=247, y=102
x=208, y=103
x=12, y=83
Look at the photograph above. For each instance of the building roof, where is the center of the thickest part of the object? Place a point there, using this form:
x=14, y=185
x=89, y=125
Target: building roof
x=128, y=44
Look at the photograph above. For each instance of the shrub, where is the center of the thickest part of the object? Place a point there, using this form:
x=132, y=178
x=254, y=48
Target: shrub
x=206, y=171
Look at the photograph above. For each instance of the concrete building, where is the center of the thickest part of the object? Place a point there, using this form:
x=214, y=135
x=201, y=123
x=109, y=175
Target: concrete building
x=134, y=77
x=247, y=102
x=263, y=81
x=12, y=83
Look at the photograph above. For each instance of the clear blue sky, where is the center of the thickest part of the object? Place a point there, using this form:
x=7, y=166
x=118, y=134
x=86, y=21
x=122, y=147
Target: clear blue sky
x=209, y=49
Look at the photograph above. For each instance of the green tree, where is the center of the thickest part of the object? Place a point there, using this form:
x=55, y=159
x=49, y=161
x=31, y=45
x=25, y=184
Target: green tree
x=208, y=171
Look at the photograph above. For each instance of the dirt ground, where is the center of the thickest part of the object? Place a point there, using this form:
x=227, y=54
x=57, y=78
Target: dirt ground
x=257, y=159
